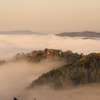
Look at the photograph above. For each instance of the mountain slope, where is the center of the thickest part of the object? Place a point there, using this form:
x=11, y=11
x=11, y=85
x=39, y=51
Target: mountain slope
x=83, y=71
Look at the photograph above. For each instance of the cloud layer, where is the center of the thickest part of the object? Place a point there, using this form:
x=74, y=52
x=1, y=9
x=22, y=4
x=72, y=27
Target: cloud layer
x=12, y=44
x=14, y=77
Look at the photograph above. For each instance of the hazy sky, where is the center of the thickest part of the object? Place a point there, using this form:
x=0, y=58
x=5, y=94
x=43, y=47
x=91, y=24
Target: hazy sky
x=50, y=15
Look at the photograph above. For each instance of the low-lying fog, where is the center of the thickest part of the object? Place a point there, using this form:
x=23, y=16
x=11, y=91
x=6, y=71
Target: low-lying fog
x=14, y=77
x=88, y=92
x=12, y=44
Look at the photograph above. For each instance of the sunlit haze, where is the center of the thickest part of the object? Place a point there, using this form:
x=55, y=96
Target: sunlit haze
x=50, y=16
x=31, y=45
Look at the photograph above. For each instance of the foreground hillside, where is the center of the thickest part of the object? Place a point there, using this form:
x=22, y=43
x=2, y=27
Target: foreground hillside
x=83, y=71
x=76, y=68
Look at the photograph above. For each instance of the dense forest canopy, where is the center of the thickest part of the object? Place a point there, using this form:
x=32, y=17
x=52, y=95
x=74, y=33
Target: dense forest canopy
x=82, y=71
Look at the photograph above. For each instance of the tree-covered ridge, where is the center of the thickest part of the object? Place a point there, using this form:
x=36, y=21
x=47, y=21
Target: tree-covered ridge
x=82, y=71
x=53, y=54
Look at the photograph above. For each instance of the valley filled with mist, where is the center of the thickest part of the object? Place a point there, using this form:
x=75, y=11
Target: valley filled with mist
x=49, y=67
x=49, y=49
x=12, y=44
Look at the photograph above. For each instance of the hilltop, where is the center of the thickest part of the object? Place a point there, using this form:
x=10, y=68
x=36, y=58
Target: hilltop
x=88, y=34
x=37, y=56
x=51, y=54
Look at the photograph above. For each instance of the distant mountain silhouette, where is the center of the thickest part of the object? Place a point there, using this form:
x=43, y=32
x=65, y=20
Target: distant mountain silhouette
x=18, y=32
x=88, y=34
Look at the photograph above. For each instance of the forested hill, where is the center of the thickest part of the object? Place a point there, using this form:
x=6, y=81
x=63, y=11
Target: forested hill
x=37, y=56
x=83, y=71
x=51, y=54
x=88, y=34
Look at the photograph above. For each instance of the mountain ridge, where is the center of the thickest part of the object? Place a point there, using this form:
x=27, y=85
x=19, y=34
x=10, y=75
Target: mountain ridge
x=88, y=34
x=18, y=32
x=85, y=70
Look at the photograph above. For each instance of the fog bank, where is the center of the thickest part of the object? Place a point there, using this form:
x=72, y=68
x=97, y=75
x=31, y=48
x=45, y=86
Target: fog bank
x=86, y=92
x=12, y=44
x=14, y=77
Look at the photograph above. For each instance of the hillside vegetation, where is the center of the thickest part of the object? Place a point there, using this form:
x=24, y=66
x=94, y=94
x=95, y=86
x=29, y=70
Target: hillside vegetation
x=77, y=68
x=82, y=71
x=51, y=54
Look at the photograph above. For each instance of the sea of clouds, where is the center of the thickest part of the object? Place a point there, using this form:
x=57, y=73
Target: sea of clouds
x=12, y=44
x=14, y=77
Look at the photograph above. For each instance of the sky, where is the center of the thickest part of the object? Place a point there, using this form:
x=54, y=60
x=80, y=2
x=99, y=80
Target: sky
x=50, y=16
